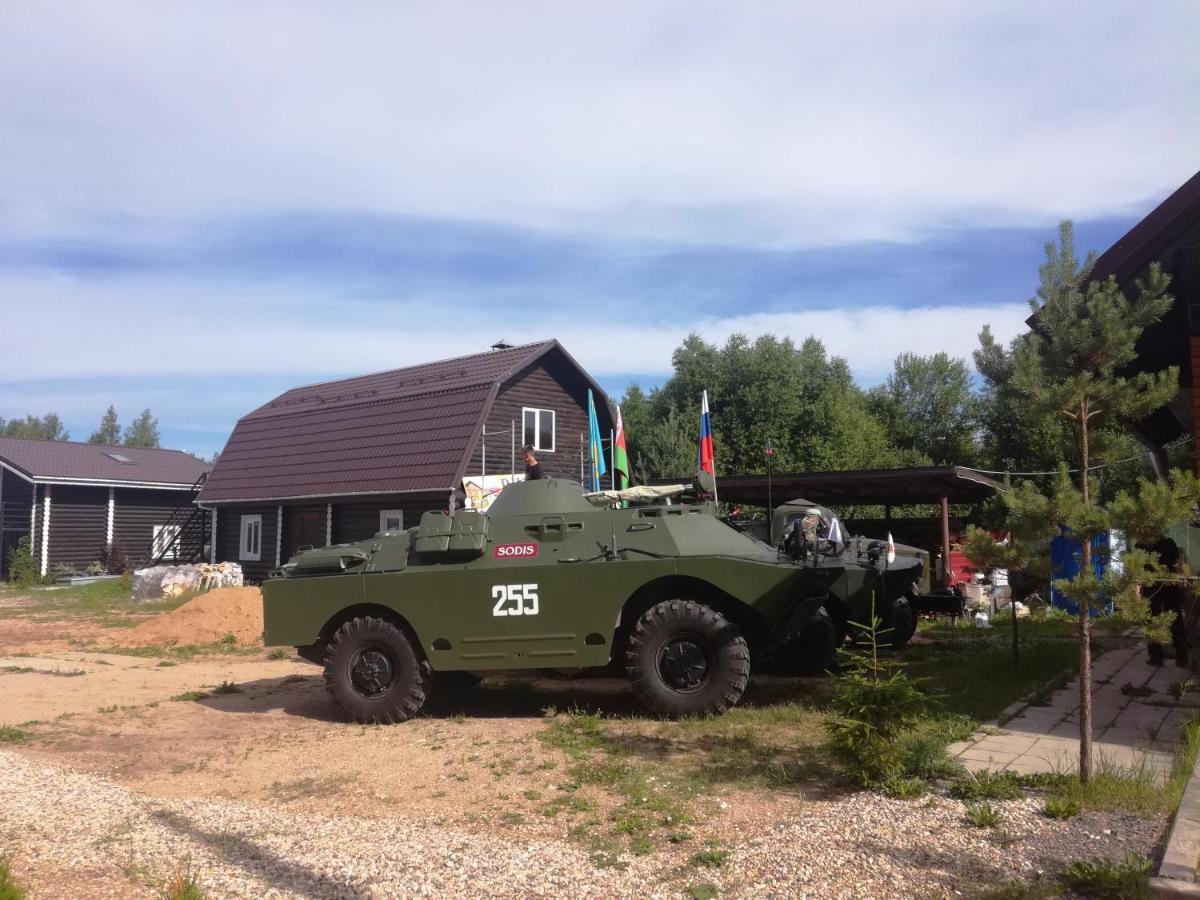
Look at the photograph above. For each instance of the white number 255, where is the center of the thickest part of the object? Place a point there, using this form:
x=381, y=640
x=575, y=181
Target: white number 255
x=515, y=600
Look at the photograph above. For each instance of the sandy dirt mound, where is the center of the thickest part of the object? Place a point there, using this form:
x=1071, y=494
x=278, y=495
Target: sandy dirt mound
x=208, y=618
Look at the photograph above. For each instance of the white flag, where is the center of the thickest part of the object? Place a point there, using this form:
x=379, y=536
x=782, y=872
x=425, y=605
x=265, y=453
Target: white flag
x=891, y=549
x=835, y=534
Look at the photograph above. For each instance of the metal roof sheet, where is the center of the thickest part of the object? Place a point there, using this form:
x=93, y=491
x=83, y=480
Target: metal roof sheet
x=72, y=461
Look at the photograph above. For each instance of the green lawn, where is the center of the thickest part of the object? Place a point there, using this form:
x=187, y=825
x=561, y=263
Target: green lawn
x=109, y=602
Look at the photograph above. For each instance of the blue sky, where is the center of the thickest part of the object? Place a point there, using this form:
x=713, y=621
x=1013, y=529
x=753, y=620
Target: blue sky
x=205, y=204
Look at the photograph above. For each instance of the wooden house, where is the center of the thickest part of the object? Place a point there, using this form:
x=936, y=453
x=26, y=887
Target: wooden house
x=343, y=460
x=74, y=500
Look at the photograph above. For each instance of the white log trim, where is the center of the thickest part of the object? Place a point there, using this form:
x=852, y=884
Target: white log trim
x=46, y=531
x=278, y=534
x=33, y=520
x=328, y=524
x=212, y=539
x=112, y=507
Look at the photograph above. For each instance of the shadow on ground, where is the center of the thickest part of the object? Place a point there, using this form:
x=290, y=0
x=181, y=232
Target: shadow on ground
x=499, y=697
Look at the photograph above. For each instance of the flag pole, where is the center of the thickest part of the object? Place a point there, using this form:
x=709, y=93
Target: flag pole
x=612, y=455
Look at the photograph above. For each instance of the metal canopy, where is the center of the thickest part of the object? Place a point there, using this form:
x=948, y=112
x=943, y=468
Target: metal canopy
x=887, y=487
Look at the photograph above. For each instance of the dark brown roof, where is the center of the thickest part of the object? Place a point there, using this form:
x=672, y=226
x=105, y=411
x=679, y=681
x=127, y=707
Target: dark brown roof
x=895, y=487
x=410, y=429
x=1144, y=241
x=100, y=463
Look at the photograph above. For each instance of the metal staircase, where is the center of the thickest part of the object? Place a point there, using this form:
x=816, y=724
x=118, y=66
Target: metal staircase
x=182, y=537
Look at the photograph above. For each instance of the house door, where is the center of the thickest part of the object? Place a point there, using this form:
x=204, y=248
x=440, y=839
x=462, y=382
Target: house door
x=305, y=527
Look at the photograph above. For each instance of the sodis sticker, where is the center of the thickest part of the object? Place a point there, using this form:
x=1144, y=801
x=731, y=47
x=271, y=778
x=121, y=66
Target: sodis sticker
x=515, y=551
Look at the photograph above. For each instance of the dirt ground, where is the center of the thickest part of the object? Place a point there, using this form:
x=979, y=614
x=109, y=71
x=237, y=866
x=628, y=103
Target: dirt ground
x=238, y=730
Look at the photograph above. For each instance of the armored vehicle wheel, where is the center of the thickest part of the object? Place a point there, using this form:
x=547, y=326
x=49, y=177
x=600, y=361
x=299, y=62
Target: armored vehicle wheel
x=686, y=659
x=373, y=673
x=903, y=624
x=816, y=648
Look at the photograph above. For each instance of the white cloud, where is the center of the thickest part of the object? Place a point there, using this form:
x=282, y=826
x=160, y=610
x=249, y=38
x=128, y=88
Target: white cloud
x=772, y=123
x=124, y=328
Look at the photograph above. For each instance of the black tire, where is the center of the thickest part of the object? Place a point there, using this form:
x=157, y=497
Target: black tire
x=686, y=659
x=816, y=647
x=373, y=672
x=903, y=623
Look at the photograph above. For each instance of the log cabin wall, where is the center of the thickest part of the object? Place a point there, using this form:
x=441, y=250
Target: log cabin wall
x=78, y=525
x=547, y=384
x=16, y=498
x=136, y=511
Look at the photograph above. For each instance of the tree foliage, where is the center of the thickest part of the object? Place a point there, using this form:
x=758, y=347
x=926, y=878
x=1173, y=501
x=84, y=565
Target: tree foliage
x=142, y=431
x=109, y=431
x=1069, y=370
x=35, y=428
x=928, y=408
x=800, y=399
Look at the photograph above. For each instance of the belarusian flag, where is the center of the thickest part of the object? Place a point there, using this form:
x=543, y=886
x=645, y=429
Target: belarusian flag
x=620, y=455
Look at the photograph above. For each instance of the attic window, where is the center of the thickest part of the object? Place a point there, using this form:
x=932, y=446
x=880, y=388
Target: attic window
x=120, y=457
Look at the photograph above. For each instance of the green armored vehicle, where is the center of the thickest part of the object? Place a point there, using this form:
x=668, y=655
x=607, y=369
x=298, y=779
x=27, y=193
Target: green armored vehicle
x=546, y=579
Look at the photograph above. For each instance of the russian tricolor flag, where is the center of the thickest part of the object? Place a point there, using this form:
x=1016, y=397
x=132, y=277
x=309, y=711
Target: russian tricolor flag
x=705, y=460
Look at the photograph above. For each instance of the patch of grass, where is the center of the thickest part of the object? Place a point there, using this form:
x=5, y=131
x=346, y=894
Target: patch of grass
x=1133, y=789
x=981, y=814
x=182, y=651
x=190, y=695
x=974, y=675
x=703, y=891
x=711, y=858
x=512, y=818
x=1128, y=879
x=227, y=687
x=906, y=788
x=1061, y=808
x=278, y=653
x=9, y=889
x=164, y=663
x=300, y=788
x=923, y=752
x=987, y=786
x=183, y=885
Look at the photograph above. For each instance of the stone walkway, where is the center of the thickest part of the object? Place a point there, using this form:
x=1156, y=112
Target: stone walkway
x=1137, y=726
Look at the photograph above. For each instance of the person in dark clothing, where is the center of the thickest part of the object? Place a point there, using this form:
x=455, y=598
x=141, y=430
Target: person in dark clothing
x=1169, y=597
x=533, y=468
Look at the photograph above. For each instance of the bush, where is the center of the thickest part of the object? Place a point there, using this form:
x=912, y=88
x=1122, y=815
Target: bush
x=1061, y=808
x=1128, y=879
x=987, y=786
x=115, y=559
x=874, y=706
x=95, y=567
x=9, y=889
x=982, y=814
x=22, y=570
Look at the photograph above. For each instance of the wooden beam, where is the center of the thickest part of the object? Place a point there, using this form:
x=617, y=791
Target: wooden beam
x=946, y=541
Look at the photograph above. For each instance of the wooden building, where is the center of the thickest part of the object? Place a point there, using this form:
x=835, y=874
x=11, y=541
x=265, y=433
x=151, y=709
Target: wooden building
x=340, y=461
x=1170, y=235
x=75, y=500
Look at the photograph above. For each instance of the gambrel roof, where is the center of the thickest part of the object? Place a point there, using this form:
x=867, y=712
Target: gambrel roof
x=410, y=429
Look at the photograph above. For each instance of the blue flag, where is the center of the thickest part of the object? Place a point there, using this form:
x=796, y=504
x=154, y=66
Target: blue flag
x=597, y=467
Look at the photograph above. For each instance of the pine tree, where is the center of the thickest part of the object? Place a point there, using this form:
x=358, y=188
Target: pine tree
x=143, y=431
x=109, y=431
x=1085, y=334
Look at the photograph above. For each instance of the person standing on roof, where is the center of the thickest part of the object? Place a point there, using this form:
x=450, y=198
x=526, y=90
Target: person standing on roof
x=533, y=468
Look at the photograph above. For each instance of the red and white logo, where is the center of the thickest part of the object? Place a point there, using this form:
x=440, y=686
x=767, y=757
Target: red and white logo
x=515, y=551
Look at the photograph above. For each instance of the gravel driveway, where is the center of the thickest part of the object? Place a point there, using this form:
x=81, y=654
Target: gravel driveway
x=75, y=835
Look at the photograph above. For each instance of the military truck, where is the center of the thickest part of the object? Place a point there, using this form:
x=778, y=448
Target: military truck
x=685, y=604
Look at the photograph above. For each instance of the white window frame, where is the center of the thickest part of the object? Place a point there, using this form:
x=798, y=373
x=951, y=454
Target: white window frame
x=538, y=412
x=166, y=538
x=245, y=552
x=385, y=514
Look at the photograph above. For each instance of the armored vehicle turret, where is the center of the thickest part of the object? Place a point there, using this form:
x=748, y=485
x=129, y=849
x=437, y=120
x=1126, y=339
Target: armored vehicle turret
x=685, y=604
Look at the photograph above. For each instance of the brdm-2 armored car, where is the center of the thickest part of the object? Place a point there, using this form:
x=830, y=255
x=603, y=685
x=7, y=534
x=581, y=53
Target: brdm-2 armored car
x=685, y=604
